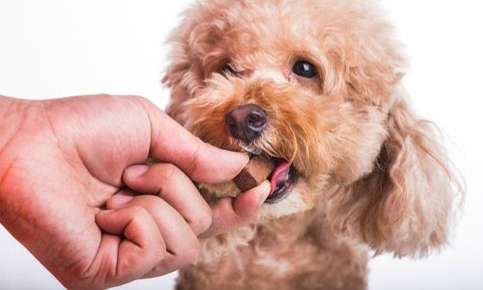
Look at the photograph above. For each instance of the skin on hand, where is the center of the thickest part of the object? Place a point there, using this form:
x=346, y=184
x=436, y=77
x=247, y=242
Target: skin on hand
x=63, y=195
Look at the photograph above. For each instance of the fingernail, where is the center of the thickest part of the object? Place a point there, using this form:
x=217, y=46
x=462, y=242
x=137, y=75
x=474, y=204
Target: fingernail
x=119, y=200
x=264, y=191
x=136, y=171
x=240, y=159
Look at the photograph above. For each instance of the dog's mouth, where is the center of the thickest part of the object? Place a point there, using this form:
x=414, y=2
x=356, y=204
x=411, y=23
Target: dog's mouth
x=282, y=179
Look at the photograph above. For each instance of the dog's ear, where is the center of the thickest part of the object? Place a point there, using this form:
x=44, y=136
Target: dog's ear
x=179, y=93
x=190, y=45
x=182, y=75
x=406, y=205
x=196, y=49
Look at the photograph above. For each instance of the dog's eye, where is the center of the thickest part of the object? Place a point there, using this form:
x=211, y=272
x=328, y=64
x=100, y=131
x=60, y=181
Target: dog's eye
x=304, y=69
x=228, y=69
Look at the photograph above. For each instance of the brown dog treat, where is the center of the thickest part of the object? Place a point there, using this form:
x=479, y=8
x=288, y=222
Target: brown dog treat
x=257, y=170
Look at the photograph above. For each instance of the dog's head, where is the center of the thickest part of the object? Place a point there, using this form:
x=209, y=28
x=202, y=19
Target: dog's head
x=315, y=83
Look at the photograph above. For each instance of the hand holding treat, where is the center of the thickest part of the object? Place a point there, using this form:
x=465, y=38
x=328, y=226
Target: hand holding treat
x=258, y=169
x=66, y=201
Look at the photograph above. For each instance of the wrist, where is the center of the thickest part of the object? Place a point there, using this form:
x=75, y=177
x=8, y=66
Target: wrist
x=10, y=120
x=12, y=112
x=12, y=117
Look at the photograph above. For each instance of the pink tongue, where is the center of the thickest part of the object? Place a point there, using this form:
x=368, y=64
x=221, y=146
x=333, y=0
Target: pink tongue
x=279, y=174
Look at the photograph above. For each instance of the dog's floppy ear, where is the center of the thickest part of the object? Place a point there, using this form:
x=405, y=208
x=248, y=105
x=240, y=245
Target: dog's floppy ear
x=182, y=75
x=190, y=45
x=407, y=203
x=196, y=49
x=179, y=92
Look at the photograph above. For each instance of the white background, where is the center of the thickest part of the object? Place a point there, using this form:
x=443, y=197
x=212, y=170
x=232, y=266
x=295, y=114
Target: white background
x=55, y=48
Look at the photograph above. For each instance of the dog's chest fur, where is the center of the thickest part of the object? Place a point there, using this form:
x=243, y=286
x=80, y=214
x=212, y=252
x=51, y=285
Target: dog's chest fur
x=293, y=253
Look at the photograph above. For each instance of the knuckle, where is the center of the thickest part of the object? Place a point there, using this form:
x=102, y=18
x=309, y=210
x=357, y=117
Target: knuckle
x=147, y=207
x=202, y=222
x=191, y=253
x=159, y=254
x=139, y=211
x=152, y=204
x=168, y=171
x=142, y=100
x=195, y=155
x=139, y=100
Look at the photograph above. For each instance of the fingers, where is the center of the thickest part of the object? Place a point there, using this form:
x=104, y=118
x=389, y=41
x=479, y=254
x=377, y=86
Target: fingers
x=173, y=186
x=229, y=214
x=141, y=248
x=182, y=244
x=167, y=180
x=179, y=213
x=172, y=143
x=183, y=247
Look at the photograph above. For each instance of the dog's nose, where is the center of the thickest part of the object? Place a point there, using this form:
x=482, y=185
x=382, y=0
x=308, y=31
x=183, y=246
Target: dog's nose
x=246, y=122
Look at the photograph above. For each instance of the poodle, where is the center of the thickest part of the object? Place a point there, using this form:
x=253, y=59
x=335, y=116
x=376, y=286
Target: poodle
x=315, y=87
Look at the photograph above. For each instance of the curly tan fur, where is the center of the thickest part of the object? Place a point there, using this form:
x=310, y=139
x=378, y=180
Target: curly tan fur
x=373, y=176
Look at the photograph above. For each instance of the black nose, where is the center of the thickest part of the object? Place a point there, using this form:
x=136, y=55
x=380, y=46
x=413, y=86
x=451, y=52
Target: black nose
x=246, y=122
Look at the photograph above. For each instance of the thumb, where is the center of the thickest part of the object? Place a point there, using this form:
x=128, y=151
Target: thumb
x=229, y=214
x=202, y=162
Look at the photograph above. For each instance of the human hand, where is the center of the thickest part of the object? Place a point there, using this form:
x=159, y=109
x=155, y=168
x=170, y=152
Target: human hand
x=62, y=160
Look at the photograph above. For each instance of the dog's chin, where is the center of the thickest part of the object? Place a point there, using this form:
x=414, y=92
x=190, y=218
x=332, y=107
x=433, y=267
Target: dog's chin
x=294, y=202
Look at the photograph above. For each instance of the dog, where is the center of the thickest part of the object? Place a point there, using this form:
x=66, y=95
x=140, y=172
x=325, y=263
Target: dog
x=316, y=87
